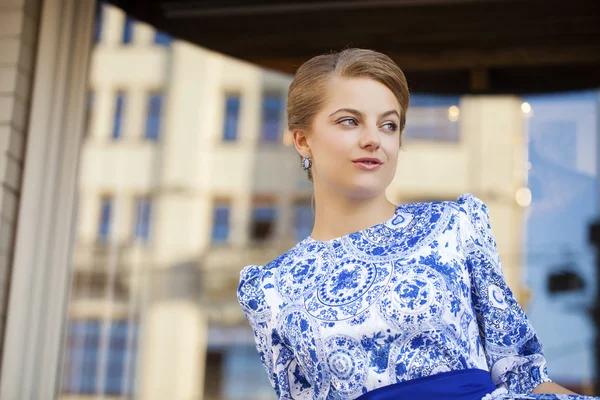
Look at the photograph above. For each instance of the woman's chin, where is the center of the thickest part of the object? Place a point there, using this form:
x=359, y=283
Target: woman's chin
x=365, y=189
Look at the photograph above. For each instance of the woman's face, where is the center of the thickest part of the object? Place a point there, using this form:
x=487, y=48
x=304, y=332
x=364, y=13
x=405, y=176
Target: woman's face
x=354, y=140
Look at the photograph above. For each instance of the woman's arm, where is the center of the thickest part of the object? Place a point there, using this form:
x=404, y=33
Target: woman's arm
x=513, y=351
x=551, y=388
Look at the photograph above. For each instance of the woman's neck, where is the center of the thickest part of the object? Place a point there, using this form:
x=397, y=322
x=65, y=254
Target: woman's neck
x=337, y=215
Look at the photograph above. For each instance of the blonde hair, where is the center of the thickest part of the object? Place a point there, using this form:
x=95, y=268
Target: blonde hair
x=307, y=91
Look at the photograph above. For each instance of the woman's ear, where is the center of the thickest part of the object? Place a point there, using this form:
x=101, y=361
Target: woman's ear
x=301, y=142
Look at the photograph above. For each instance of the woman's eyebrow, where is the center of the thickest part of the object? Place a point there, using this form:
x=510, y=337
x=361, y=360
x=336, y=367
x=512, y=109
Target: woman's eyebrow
x=385, y=114
x=348, y=110
x=360, y=114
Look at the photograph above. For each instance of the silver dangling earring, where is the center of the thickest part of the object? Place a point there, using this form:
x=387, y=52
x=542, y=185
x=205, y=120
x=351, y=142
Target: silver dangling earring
x=306, y=163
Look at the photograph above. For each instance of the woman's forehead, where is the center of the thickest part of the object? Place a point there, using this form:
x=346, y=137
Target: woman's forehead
x=363, y=94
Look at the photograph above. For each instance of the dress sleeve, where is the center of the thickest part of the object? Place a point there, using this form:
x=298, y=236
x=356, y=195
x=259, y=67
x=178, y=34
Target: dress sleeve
x=284, y=373
x=513, y=351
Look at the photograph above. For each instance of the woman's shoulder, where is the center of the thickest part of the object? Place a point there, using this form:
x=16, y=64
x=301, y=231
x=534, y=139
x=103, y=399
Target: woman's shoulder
x=249, y=292
x=465, y=203
x=476, y=224
x=463, y=210
x=255, y=280
x=467, y=206
x=471, y=204
x=254, y=272
x=468, y=211
x=474, y=212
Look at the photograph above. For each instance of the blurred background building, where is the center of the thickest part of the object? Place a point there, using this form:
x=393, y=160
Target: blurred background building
x=186, y=174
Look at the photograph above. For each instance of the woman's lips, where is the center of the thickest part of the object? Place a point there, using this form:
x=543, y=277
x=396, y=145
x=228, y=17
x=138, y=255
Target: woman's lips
x=367, y=164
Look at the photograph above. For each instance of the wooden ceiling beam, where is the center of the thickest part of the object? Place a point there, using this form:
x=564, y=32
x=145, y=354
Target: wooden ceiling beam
x=468, y=59
x=447, y=45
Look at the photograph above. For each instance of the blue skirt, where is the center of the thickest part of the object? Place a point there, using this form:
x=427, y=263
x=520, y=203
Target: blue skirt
x=469, y=384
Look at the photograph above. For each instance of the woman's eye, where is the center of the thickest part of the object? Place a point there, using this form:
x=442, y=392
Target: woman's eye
x=348, y=122
x=390, y=126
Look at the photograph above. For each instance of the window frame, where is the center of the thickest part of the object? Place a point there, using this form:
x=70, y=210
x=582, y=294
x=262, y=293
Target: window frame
x=118, y=115
x=224, y=134
x=151, y=116
x=214, y=206
x=128, y=31
x=264, y=201
x=278, y=138
x=101, y=237
x=146, y=237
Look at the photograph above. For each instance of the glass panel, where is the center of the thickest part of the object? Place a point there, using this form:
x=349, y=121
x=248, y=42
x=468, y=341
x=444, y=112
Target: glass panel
x=164, y=228
x=128, y=26
x=232, y=113
x=563, y=179
x=143, y=213
x=162, y=39
x=118, y=117
x=153, y=117
x=263, y=222
x=433, y=118
x=105, y=219
x=88, y=341
x=220, y=232
x=271, y=114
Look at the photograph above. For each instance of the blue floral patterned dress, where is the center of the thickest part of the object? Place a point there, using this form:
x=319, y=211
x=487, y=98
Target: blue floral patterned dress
x=420, y=294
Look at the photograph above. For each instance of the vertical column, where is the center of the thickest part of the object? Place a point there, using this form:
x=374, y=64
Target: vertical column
x=46, y=45
x=172, y=347
x=18, y=36
x=494, y=131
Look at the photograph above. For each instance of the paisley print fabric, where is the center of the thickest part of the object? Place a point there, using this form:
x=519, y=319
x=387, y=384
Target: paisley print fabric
x=420, y=294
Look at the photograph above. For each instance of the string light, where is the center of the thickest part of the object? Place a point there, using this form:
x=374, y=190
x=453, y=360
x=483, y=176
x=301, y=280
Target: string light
x=523, y=197
x=453, y=113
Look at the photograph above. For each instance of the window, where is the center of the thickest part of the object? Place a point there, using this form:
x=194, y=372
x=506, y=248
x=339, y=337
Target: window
x=105, y=219
x=213, y=377
x=118, y=122
x=432, y=117
x=240, y=365
x=220, y=231
x=303, y=219
x=154, y=112
x=83, y=359
x=128, y=30
x=162, y=39
x=232, y=115
x=98, y=23
x=143, y=212
x=263, y=221
x=558, y=142
x=272, y=109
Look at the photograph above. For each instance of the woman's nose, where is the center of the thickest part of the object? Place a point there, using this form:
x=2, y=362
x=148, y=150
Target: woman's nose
x=370, y=138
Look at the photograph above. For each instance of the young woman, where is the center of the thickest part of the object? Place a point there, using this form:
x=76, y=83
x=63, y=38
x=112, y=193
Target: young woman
x=384, y=301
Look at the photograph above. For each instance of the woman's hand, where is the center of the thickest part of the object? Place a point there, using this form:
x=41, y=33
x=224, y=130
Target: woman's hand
x=551, y=388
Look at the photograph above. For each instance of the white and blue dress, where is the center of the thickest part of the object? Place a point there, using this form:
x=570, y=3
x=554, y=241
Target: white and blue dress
x=413, y=308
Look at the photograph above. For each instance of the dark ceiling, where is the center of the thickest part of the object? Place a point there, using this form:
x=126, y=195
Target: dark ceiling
x=444, y=46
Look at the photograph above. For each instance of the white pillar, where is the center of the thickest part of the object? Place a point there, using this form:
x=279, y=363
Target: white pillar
x=173, y=351
x=43, y=244
x=494, y=130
